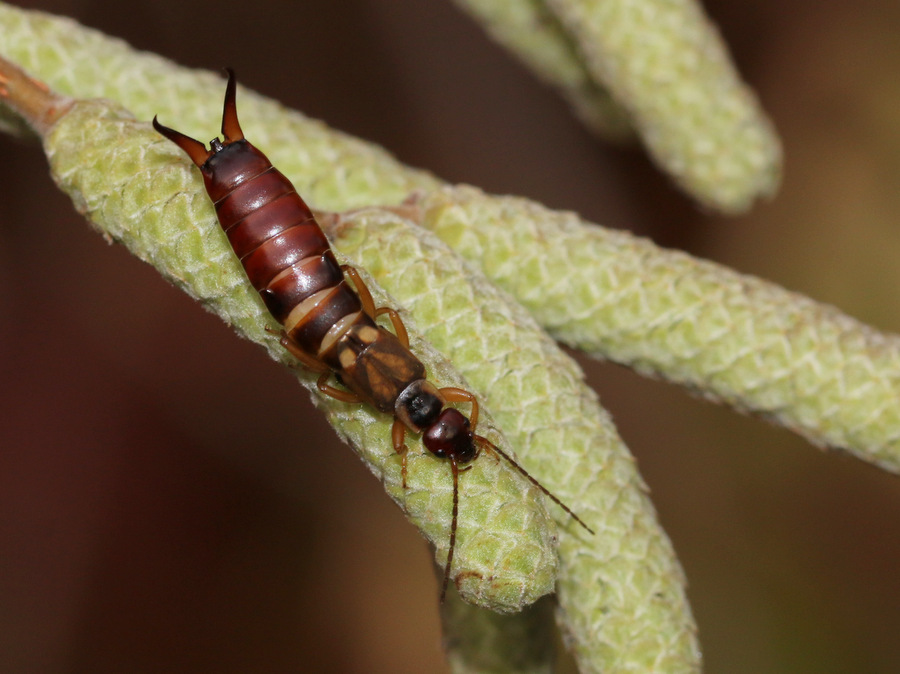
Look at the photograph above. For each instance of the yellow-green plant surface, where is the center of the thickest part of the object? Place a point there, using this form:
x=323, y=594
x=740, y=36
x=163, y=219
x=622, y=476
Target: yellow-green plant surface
x=665, y=64
x=140, y=190
x=727, y=336
x=627, y=572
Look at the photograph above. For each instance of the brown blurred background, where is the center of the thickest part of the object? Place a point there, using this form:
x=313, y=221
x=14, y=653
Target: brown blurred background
x=169, y=500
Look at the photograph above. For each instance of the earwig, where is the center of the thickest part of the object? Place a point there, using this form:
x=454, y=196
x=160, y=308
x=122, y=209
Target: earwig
x=329, y=326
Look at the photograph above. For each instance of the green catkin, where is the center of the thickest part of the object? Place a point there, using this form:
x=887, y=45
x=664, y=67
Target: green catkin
x=661, y=60
x=622, y=603
x=727, y=336
x=138, y=189
x=667, y=65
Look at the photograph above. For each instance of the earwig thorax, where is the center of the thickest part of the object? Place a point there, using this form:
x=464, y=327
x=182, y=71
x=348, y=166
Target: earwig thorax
x=419, y=405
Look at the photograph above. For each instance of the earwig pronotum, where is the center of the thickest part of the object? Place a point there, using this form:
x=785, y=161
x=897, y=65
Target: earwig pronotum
x=328, y=326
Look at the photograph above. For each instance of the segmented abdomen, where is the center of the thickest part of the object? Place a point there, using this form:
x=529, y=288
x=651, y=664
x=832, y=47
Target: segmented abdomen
x=288, y=259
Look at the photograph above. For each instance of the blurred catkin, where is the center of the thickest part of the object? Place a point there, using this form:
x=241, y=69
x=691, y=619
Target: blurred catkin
x=661, y=61
x=533, y=33
x=666, y=64
x=331, y=169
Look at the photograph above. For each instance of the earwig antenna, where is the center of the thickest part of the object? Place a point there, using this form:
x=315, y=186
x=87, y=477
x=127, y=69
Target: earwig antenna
x=492, y=447
x=454, y=467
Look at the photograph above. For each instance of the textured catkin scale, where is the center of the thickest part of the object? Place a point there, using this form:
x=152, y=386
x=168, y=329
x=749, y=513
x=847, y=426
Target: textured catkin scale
x=734, y=338
x=139, y=189
x=621, y=592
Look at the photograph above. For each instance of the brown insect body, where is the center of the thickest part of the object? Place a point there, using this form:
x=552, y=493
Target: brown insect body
x=329, y=327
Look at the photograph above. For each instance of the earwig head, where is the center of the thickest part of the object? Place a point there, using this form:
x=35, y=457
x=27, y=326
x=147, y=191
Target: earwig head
x=450, y=436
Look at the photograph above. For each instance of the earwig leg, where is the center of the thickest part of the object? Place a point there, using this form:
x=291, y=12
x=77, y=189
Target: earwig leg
x=336, y=393
x=368, y=304
x=308, y=361
x=398, y=437
x=455, y=468
x=460, y=395
x=397, y=322
x=317, y=366
x=365, y=297
x=487, y=444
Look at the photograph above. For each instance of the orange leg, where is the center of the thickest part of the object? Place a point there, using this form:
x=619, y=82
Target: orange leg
x=368, y=304
x=336, y=393
x=460, y=395
x=365, y=297
x=398, y=437
x=397, y=322
x=311, y=363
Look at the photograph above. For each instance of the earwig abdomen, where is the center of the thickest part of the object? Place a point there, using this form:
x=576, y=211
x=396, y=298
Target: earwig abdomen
x=284, y=250
x=252, y=193
x=229, y=165
x=293, y=285
x=335, y=304
x=248, y=232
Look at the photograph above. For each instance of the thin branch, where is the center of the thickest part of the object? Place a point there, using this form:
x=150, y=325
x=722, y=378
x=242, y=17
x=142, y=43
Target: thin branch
x=31, y=99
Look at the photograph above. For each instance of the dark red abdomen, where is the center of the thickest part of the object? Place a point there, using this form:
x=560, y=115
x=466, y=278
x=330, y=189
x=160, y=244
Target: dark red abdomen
x=284, y=251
